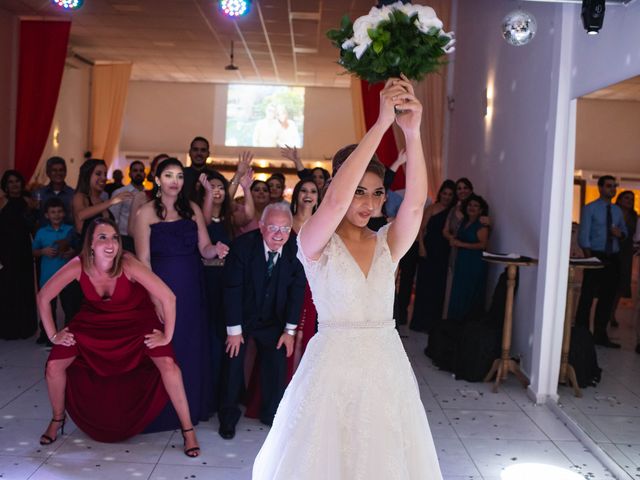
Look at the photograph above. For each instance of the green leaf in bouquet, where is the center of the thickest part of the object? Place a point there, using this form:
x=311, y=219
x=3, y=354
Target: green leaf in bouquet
x=345, y=23
x=377, y=46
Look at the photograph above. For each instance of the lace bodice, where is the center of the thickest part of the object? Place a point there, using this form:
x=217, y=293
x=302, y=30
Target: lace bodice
x=343, y=296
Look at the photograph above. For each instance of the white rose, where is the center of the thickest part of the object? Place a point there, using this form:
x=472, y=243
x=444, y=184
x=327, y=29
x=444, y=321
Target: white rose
x=424, y=25
x=407, y=8
x=449, y=47
x=360, y=49
x=425, y=12
x=361, y=30
x=348, y=44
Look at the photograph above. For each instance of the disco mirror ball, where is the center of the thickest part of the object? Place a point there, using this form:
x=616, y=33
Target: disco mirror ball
x=519, y=28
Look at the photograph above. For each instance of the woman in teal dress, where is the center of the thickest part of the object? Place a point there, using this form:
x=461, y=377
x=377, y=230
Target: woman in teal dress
x=469, y=277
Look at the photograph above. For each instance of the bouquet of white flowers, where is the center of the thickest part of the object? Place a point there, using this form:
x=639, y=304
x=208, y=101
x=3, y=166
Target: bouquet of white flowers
x=392, y=39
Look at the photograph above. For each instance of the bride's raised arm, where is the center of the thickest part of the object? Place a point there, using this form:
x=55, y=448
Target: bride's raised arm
x=318, y=229
x=404, y=229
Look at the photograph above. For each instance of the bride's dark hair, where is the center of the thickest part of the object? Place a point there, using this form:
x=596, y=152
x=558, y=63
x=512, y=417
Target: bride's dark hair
x=375, y=165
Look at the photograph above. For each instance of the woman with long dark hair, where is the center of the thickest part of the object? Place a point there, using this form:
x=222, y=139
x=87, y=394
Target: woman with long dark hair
x=260, y=196
x=171, y=238
x=470, y=271
x=18, y=213
x=304, y=203
x=112, y=368
x=90, y=200
x=431, y=280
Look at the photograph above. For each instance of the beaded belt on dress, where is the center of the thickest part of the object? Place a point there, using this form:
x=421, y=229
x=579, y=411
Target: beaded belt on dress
x=355, y=325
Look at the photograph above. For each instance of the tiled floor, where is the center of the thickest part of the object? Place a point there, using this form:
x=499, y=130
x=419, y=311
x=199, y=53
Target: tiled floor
x=610, y=412
x=477, y=433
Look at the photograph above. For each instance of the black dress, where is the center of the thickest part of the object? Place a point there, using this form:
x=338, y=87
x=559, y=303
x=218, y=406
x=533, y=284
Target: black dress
x=18, y=317
x=214, y=286
x=431, y=281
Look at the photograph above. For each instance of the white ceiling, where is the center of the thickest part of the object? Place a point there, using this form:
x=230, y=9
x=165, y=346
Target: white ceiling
x=279, y=41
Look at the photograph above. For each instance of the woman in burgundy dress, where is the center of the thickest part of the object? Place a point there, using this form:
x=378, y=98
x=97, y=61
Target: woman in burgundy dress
x=113, y=367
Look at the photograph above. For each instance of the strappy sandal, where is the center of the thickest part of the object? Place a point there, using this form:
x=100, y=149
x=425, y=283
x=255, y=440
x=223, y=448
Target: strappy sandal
x=46, y=439
x=192, y=452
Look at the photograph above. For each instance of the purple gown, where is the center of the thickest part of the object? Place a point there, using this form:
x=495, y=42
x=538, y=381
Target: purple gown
x=175, y=258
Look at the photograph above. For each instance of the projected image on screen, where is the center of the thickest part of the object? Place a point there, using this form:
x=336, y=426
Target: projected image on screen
x=264, y=116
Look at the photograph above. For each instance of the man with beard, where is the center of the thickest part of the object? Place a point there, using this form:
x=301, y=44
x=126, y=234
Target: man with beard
x=198, y=152
x=122, y=210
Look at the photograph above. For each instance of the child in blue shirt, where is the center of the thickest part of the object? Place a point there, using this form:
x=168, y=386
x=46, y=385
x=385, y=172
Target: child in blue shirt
x=52, y=244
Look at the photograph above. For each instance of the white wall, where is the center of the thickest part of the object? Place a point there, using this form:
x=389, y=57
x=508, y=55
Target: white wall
x=164, y=117
x=71, y=121
x=608, y=136
x=523, y=159
x=8, y=52
x=505, y=154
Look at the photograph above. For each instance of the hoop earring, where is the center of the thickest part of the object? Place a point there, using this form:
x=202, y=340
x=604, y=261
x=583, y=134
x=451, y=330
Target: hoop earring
x=92, y=253
x=158, y=193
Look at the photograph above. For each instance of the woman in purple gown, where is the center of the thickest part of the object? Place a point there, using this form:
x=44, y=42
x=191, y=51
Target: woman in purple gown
x=171, y=237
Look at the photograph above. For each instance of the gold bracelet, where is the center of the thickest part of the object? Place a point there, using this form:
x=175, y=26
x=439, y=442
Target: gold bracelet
x=53, y=337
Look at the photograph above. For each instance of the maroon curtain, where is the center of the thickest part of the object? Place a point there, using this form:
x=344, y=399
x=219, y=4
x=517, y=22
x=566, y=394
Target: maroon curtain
x=387, y=150
x=43, y=49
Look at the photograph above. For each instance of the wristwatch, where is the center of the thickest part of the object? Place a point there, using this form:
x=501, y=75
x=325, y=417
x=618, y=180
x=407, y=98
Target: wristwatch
x=290, y=331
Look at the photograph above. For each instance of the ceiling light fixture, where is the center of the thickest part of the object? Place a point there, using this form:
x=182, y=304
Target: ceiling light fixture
x=68, y=4
x=592, y=15
x=231, y=65
x=234, y=8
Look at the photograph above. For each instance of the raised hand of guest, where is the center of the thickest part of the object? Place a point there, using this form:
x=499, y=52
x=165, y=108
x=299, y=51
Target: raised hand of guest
x=244, y=163
x=204, y=181
x=401, y=160
x=156, y=339
x=232, y=345
x=288, y=342
x=63, y=337
x=410, y=108
x=221, y=249
x=290, y=153
x=121, y=197
x=246, y=180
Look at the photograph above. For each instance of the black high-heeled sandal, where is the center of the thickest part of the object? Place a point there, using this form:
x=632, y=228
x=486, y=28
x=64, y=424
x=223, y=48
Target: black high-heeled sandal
x=46, y=439
x=192, y=452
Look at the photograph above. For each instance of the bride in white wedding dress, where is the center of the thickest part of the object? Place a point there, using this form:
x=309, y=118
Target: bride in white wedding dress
x=353, y=410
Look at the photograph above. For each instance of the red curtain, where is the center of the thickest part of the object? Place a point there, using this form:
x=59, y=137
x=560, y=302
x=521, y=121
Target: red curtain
x=43, y=49
x=387, y=150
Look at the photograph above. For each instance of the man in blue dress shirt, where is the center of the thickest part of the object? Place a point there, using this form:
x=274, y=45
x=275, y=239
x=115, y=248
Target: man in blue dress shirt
x=602, y=227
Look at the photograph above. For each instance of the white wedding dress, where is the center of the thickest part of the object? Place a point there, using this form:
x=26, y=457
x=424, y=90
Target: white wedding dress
x=352, y=410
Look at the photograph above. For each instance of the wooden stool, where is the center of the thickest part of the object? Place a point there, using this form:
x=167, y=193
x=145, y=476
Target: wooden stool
x=505, y=364
x=567, y=372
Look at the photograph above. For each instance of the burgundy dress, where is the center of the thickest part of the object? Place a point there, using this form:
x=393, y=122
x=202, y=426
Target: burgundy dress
x=113, y=388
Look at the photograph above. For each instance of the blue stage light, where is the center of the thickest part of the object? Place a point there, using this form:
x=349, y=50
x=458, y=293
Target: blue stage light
x=68, y=4
x=234, y=8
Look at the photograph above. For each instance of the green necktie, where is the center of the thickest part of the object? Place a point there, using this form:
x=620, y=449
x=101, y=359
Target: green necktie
x=271, y=263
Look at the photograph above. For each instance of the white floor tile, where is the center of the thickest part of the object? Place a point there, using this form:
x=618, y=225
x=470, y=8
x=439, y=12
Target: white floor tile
x=493, y=425
x=18, y=468
x=86, y=470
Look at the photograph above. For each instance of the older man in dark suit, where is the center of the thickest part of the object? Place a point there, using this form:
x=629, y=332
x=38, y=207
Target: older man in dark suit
x=264, y=291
